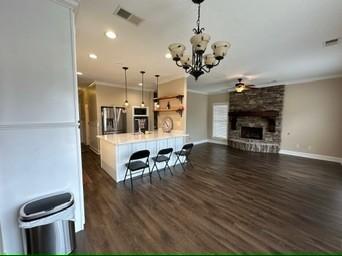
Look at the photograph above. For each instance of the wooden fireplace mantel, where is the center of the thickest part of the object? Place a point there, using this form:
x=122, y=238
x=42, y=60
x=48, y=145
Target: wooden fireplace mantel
x=266, y=114
x=270, y=115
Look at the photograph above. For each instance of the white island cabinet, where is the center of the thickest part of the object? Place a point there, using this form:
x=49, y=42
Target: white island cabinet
x=115, y=149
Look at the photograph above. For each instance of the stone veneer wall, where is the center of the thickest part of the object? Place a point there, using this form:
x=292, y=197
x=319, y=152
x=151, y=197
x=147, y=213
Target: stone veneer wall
x=262, y=99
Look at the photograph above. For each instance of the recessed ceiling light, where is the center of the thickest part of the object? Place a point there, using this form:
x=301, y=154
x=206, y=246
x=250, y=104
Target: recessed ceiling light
x=168, y=55
x=79, y=73
x=140, y=84
x=92, y=56
x=110, y=34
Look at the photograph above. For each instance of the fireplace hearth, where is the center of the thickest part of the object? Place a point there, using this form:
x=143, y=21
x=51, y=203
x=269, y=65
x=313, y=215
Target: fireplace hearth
x=251, y=133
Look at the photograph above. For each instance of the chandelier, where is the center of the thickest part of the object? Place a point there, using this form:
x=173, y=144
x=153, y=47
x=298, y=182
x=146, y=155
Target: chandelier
x=194, y=65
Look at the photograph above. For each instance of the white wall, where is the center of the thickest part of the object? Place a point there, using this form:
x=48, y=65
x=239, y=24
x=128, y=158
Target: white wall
x=40, y=147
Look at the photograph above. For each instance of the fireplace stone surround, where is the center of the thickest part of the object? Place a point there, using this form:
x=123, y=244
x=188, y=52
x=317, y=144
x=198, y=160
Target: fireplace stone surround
x=256, y=108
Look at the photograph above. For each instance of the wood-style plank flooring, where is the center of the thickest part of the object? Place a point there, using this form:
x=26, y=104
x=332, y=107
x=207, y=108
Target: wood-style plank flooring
x=231, y=201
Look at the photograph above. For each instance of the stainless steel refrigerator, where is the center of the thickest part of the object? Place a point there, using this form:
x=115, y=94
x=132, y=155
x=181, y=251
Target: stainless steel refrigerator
x=113, y=120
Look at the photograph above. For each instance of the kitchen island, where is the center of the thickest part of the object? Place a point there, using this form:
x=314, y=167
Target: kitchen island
x=115, y=149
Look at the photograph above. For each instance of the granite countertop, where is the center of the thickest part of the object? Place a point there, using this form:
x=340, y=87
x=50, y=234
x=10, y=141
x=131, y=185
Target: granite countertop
x=126, y=138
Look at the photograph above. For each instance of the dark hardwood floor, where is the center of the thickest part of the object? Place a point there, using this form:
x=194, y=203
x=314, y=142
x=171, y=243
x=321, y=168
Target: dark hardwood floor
x=231, y=201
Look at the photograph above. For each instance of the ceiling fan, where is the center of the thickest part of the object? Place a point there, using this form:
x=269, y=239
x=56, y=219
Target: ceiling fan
x=241, y=86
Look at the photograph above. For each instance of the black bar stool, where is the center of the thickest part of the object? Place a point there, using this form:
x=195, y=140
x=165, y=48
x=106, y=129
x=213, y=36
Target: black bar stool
x=185, y=151
x=135, y=164
x=162, y=156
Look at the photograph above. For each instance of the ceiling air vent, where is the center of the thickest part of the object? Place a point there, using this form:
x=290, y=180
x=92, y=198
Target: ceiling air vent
x=332, y=42
x=127, y=16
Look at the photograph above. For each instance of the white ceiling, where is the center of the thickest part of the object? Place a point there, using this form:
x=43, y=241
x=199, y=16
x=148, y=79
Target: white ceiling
x=271, y=40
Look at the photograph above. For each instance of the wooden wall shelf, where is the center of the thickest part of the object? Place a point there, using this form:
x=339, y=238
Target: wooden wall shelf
x=178, y=110
x=179, y=97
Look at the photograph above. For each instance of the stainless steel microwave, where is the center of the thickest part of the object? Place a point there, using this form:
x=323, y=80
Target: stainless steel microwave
x=140, y=111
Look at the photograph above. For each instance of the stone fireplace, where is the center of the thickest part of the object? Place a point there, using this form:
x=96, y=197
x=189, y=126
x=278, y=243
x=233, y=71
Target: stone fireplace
x=255, y=119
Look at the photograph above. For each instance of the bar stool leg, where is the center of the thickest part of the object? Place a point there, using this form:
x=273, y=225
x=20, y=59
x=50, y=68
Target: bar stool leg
x=130, y=174
x=167, y=165
x=158, y=172
x=174, y=165
x=125, y=175
x=150, y=173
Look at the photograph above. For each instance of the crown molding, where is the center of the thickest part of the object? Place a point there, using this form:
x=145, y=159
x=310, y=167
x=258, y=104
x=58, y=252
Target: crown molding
x=72, y=4
x=96, y=82
x=197, y=92
x=300, y=81
x=288, y=82
x=226, y=91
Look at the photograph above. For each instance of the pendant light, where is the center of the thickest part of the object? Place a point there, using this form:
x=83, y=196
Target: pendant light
x=142, y=88
x=157, y=103
x=126, y=101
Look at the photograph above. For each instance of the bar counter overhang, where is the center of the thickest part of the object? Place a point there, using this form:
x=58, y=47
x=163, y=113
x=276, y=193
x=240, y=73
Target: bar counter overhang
x=115, y=149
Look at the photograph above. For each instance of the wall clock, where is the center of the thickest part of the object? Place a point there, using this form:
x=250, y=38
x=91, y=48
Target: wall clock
x=167, y=124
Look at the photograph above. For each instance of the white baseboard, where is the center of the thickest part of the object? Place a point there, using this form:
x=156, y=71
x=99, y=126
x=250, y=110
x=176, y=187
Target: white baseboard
x=218, y=142
x=312, y=156
x=200, y=142
x=210, y=141
x=95, y=150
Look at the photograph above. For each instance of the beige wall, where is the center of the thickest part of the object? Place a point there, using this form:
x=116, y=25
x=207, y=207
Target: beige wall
x=99, y=95
x=312, y=118
x=113, y=96
x=173, y=88
x=197, y=117
x=215, y=98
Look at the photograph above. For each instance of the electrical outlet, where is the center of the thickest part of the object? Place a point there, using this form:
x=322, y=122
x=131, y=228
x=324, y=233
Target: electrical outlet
x=309, y=147
x=298, y=146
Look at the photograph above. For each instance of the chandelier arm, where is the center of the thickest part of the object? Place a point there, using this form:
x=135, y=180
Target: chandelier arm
x=218, y=62
x=204, y=69
x=179, y=65
x=193, y=57
x=189, y=70
x=198, y=66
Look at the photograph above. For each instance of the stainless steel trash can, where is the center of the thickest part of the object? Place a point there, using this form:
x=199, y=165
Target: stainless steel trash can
x=47, y=224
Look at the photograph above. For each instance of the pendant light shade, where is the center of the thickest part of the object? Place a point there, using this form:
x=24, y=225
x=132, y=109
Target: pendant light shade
x=157, y=103
x=126, y=101
x=142, y=88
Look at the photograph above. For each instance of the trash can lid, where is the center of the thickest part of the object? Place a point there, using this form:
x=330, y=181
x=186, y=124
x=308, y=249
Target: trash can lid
x=45, y=206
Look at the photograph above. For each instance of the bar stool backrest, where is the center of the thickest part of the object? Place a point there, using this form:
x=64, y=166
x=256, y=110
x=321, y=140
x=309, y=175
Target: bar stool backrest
x=139, y=155
x=187, y=148
x=165, y=151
